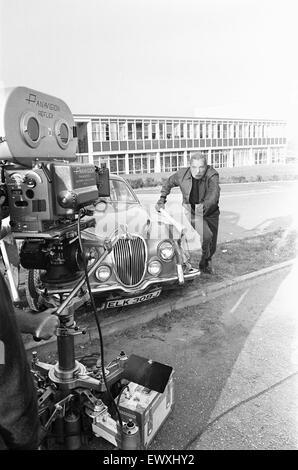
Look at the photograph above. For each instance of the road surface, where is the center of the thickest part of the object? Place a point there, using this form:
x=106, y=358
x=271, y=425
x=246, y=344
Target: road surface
x=247, y=209
x=236, y=368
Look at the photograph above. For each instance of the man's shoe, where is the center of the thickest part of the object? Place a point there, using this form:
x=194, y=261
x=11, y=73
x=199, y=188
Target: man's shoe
x=203, y=263
x=208, y=270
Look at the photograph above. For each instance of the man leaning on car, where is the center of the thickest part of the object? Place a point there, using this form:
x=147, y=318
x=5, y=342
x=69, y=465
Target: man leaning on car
x=199, y=184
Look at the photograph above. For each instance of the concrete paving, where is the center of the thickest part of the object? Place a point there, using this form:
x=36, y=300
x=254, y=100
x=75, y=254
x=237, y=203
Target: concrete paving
x=258, y=406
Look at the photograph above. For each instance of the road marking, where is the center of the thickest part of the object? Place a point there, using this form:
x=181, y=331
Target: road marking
x=239, y=301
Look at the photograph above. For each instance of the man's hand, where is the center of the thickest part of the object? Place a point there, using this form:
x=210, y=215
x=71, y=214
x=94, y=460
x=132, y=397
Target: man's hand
x=160, y=204
x=40, y=325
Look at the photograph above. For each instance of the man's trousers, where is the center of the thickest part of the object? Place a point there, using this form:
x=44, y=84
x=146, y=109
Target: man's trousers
x=207, y=227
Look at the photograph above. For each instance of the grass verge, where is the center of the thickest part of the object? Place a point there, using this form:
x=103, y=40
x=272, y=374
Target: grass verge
x=239, y=257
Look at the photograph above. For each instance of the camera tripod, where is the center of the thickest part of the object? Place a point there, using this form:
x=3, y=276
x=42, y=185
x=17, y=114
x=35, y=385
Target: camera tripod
x=70, y=396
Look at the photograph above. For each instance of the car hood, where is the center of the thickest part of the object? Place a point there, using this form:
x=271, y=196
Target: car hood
x=133, y=219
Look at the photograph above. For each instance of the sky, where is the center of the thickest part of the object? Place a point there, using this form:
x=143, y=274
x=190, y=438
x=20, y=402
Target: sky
x=198, y=58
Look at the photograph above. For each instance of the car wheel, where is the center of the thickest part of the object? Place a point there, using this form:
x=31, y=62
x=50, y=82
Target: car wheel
x=33, y=289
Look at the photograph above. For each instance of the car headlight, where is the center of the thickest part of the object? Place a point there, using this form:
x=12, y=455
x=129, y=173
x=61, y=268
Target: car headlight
x=103, y=273
x=166, y=251
x=154, y=268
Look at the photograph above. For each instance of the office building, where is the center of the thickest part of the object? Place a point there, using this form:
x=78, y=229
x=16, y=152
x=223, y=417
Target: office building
x=130, y=145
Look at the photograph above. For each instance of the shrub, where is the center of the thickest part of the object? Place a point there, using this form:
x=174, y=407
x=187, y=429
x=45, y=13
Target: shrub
x=136, y=183
x=150, y=181
x=238, y=179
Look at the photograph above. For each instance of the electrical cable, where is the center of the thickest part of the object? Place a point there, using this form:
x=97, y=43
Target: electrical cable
x=96, y=319
x=121, y=391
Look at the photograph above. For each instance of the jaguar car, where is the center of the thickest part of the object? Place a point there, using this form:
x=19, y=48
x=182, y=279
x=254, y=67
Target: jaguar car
x=147, y=255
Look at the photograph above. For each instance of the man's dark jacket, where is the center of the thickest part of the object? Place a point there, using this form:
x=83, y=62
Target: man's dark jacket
x=210, y=186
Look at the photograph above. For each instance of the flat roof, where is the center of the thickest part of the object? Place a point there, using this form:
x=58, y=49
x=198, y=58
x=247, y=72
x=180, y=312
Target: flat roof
x=173, y=118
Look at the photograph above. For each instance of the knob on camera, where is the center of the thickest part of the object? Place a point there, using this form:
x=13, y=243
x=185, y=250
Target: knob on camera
x=67, y=199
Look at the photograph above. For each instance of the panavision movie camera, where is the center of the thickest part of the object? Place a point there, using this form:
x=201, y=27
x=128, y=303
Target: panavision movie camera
x=46, y=191
x=45, y=187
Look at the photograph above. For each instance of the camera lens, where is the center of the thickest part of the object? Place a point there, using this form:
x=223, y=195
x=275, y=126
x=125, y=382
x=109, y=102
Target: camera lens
x=30, y=194
x=30, y=129
x=33, y=129
x=64, y=134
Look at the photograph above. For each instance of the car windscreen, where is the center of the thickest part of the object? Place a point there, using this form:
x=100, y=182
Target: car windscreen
x=120, y=192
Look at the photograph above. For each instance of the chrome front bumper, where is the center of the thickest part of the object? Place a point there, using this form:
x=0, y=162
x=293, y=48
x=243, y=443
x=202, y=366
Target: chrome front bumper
x=104, y=288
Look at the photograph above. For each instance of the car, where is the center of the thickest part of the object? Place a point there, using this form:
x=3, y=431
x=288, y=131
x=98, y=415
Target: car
x=146, y=258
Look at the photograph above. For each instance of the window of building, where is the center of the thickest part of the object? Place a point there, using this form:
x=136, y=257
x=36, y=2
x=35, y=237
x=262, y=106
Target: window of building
x=113, y=130
x=251, y=131
x=169, y=130
x=240, y=131
x=182, y=130
x=151, y=164
x=189, y=130
x=176, y=130
x=123, y=130
x=138, y=163
x=241, y=157
x=161, y=129
x=113, y=165
x=117, y=164
x=225, y=130
x=171, y=161
x=131, y=130
x=82, y=133
x=258, y=131
x=277, y=155
x=246, y=130
x=196, y=130
x=139, y=130
x=153, y=130
x=105, y=131
x=231, y=131
x=146, y=129
x=260, y=156
x=219, y=158
x=201, y=130
x=218, y=131
x=95, y=131
x=208, y=130
x=214, y=134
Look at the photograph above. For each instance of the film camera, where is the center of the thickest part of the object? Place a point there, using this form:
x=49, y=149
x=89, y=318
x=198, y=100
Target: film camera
x=45, y=188
x=47, y=194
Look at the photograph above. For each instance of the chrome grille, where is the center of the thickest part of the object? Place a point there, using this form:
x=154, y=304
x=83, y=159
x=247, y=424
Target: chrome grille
x=130, y=259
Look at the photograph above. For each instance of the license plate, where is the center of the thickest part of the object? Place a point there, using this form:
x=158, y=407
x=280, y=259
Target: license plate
x=133, y=300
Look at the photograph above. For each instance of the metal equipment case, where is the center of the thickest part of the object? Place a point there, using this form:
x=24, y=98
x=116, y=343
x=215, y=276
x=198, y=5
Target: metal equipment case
x=149, y=409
